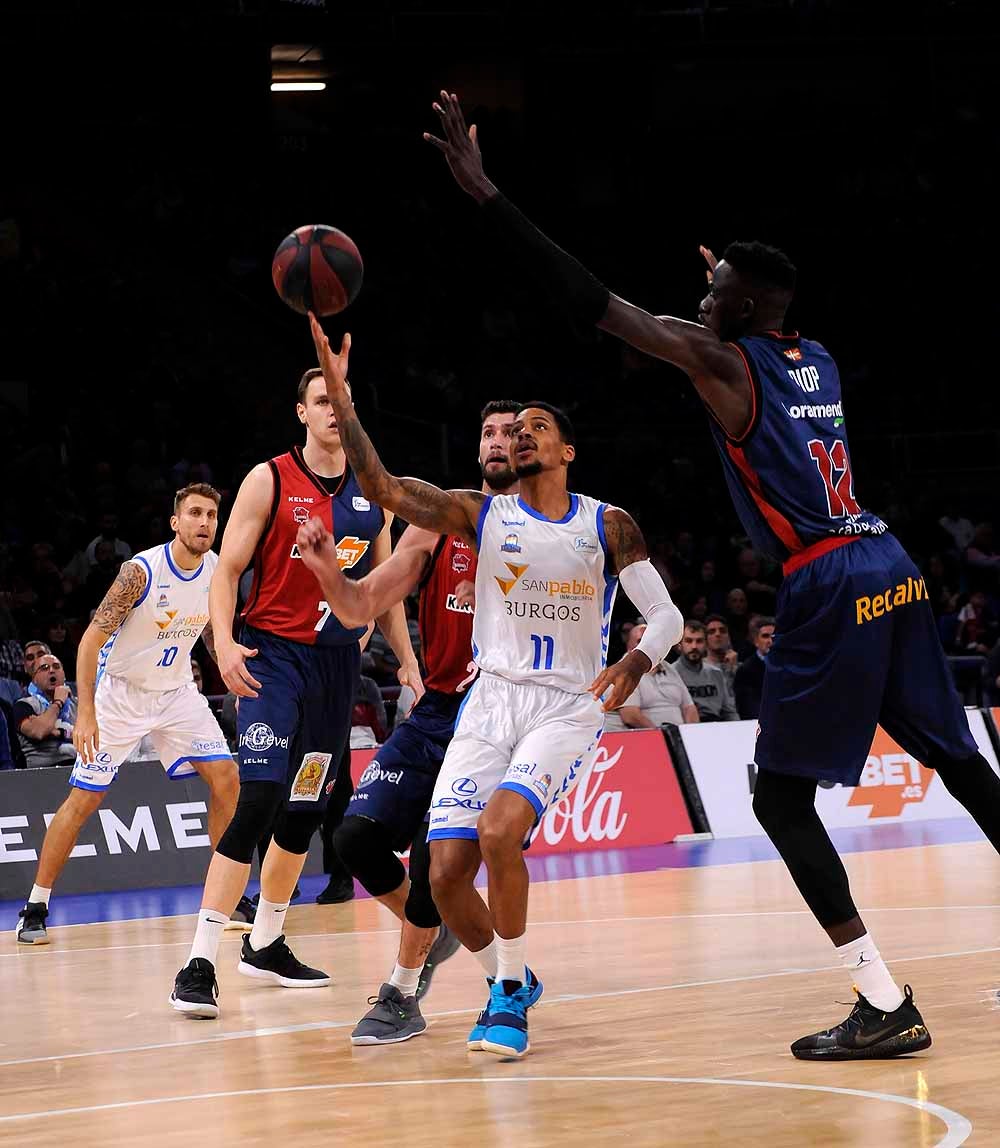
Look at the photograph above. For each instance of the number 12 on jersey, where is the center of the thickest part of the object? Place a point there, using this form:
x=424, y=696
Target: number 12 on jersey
x=835, y=469
x=542, y=643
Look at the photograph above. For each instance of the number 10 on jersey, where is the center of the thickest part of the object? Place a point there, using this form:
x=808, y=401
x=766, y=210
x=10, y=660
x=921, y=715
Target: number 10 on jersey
x=542, y=645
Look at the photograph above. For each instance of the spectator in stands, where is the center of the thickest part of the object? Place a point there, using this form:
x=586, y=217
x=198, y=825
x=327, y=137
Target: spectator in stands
x=102, y=573
x=707, y=685
x=660, y=697
x=942, y=585
x=14, y=687
x=45, y=716
x=738, y=616
x=977, y=625
x=59, y=643
x=369, y=723
x=749, y=682
x=991, y=678
x=981, y=558
x=720, y=649
x=761, y=593
x=199, y=681
x=959, y=528
x=708, y=585
x=6, y=756
x=108, y=526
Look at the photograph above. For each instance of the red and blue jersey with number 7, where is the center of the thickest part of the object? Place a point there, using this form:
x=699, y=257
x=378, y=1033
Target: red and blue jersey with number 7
x=790, y=472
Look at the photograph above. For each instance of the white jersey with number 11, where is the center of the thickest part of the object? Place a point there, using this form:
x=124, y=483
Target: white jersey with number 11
x=544, y=593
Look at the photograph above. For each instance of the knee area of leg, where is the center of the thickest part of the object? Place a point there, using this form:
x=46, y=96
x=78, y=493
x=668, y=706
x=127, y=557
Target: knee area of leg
x=294, y=830
x=365, y=848
x=255, y=809
x=420, y=909
x=498, y=835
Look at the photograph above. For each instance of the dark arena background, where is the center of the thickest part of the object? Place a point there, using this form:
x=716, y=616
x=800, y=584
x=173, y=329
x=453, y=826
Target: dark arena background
x=152, y=163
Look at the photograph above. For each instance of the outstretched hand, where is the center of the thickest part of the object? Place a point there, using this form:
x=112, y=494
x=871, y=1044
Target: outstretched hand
x=461, y=148
x=710, y=260
x=334, y=366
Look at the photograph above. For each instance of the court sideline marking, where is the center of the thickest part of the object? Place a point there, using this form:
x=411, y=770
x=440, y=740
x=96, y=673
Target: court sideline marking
x=958, y=1127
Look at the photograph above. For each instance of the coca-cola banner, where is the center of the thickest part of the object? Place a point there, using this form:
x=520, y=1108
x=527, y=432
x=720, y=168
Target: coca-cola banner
x=630, y=796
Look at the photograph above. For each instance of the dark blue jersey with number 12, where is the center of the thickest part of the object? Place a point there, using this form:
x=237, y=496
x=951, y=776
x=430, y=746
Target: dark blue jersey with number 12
x=790, y=472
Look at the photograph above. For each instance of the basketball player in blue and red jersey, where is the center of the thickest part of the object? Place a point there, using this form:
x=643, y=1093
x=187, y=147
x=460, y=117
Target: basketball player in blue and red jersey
x=294, y=669
x=855, y=642
x=389, y=808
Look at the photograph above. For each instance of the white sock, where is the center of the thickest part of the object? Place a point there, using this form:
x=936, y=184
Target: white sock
x=488, y=959
x=862, y=959
x=405, y=979
x=268, y=924
x=39, y=894
x=510, y=958
x=208, y=934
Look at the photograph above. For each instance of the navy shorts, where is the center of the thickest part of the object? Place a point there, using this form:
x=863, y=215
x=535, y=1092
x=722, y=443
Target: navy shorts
x=856, y=645
x=396, y=788
x=296, y=730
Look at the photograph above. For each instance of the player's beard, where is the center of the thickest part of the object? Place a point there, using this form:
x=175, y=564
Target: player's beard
x=528, y=469
x=502, y=479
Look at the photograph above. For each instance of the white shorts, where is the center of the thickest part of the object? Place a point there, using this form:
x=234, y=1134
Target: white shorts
x=532, y=739
x=180, y=724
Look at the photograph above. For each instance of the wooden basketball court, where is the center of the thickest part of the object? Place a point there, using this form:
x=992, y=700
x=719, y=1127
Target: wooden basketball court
x=671, y=999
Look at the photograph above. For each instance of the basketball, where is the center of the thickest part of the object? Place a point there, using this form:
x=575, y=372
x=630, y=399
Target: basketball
x=317, y=268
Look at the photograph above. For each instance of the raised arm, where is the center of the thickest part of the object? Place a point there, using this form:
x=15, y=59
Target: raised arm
x=716, y=368
x=125, y=591
x=420, y=503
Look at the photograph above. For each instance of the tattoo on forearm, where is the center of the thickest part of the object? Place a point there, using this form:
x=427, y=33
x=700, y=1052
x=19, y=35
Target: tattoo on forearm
x=362, y=456
x=625, y=541
x=125, y=591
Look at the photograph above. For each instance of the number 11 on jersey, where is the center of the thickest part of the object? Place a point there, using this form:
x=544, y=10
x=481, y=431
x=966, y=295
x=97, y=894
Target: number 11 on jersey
x=539, y=643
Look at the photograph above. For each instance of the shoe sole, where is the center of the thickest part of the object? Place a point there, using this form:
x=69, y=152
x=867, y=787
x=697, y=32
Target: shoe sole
x=33, y=941
x=502, y=1049
x=194, y=1010
x=387, y=1040
x=900, y=1045
x=245, y=926
x=277, y=979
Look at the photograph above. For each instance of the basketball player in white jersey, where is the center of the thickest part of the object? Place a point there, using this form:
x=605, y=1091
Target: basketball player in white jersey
x=134, y=678
x=549, y=565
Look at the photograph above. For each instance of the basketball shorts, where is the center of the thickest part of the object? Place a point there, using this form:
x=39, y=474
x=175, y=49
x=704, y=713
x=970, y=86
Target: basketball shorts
x=180, y=723
x=532, y=739
x=396, y=787
x=856, y=645
x=295, y=731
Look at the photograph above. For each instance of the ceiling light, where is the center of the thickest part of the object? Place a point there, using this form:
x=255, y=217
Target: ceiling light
x=297, y=86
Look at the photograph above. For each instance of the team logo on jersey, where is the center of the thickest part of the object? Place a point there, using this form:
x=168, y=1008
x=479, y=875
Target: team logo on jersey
x=506, y=584
x=510, y=545
x=162, y=602
x=308, y=783
x=460, y=563
x=171, y=614
x=542, y=784
x=300, y=514
x=588, y=545
x=360, y=503
x=350, y=550
x=259, y=738
x=794, y=354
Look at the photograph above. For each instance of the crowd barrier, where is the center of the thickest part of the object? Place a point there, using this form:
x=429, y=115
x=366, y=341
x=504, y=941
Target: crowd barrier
x=151, y=831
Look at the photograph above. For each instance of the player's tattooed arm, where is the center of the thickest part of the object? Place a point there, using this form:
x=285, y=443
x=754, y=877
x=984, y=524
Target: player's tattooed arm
x=125, y=591
x=416, y=502
x=625, y=541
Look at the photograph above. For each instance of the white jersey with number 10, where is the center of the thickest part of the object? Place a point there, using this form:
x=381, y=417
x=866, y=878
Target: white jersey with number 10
x=544, y=593
x=152, y=647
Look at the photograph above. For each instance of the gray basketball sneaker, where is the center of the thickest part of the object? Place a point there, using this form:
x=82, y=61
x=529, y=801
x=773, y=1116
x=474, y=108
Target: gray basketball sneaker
x=446, y=945
x=30, y=928
x=391, y=1019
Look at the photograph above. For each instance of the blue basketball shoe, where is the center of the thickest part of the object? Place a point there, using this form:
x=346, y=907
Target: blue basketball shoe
x=534, y=993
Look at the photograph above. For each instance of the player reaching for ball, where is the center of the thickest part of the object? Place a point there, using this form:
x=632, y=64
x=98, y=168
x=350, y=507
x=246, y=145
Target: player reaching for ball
x=856, y=643
x=549, y=565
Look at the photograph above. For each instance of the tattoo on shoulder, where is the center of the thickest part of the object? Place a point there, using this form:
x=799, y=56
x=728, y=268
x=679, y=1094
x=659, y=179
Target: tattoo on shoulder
x=625, y=541
x=125, y=591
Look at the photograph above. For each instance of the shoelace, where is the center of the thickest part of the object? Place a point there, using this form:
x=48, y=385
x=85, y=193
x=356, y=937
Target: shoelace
x=388, y=1003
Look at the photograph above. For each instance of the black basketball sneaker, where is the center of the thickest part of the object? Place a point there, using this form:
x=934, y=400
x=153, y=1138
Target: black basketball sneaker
x=869, y=1033
x=196, y=991
x=279, y=965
